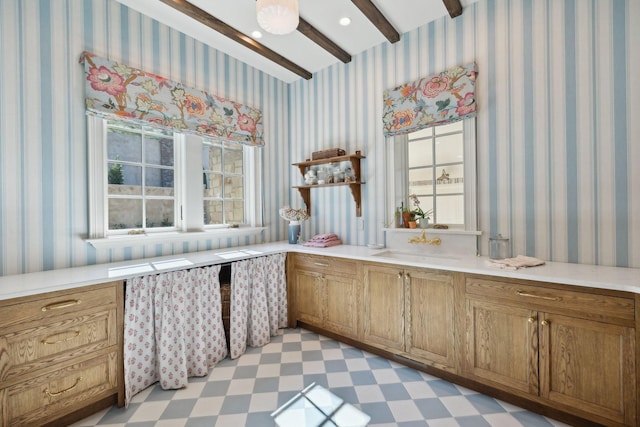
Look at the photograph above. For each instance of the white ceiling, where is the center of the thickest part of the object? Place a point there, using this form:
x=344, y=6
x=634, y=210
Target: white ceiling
x=404, y=15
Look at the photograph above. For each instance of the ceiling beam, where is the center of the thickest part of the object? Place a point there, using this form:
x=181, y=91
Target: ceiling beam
x=453, y=7
x=323, y=41
x=235, y=35
x=378, y=19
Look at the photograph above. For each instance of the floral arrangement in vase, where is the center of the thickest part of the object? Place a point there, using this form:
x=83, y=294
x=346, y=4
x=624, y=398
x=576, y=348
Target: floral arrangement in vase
x=295, y=216
x=422, y=216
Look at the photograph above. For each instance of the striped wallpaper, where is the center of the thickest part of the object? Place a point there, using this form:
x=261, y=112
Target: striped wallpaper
x=558, y=125
x=558, y=146
x=43, y=148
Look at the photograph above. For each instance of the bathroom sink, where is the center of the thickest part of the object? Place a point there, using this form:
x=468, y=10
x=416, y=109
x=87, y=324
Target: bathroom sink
x=415, y=257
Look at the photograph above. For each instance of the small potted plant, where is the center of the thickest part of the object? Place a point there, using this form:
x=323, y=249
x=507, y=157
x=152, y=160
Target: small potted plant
x=421, y=216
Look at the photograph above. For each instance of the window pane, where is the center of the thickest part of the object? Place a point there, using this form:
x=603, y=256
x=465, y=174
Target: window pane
x=233, y=161
x=125, y=179
x=213, y=212
x=234, y=212
x=158, y=182
x=211, y=158
x=450, y=210
x=453, y=127
x=158, y=150
x=450, y=149
x=124, y=145
x=233, y=187
x=213, y=185
x=420, y=153
x=125, y=213
x=160, y=213
x=421, y=181
x=450, y=179
x=423, y=133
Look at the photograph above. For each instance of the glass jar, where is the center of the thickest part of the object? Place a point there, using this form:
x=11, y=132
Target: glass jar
x=499, y=247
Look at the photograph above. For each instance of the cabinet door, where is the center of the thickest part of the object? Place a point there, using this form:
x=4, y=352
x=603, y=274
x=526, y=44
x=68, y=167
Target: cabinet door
x=309, y=297
x=502, y=344
x=342, y=305
x=384, y=307
x=588, y=365
x=430, y=323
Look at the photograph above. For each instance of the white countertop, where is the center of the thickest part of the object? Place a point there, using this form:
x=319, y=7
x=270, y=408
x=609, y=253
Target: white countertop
x=615, y=278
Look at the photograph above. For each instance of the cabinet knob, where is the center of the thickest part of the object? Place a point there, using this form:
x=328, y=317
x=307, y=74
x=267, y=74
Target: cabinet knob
x=407, y=275
x=544, y=322
x=531, y=320
x=400, y=275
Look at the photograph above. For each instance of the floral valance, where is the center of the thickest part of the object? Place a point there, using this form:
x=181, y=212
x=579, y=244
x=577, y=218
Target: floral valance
x=442, y=98
x=115, y=89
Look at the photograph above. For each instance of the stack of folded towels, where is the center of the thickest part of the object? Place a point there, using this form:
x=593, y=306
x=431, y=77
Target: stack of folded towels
x=324, y=240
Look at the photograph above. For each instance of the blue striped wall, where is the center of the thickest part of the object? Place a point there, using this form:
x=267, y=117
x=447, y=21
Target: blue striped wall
x=558, y=142
x=43, y=148
x=558, y=127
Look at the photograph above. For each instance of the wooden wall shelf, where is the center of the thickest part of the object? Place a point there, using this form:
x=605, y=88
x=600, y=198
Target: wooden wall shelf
x=354, y=186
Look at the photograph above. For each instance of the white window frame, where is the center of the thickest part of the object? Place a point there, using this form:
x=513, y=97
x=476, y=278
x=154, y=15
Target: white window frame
x=188, y=193
x=398, y=175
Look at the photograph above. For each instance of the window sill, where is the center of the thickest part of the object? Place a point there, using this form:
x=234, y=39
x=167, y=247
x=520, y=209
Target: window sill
x=114, y=242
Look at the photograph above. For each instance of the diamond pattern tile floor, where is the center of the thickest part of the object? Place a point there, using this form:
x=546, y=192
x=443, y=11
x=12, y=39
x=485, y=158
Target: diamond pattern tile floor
x=245, y=391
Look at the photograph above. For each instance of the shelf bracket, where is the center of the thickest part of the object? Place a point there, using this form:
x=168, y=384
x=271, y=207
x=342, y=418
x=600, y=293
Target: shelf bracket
x=306, y=197
x=355, y=192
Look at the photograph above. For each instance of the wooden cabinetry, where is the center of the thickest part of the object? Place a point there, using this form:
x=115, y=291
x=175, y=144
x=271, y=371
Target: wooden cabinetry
x=384, y=307
x=419, y=313
x=327, y=293
x=431, y=331
x=354, y=186
x=59, y=353
x=574, y=350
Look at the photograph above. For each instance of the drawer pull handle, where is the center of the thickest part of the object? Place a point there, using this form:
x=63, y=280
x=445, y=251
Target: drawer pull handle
x=525, y=294
x=61, y=304
x=46, y=340
x=321, y=264
x=58, y=393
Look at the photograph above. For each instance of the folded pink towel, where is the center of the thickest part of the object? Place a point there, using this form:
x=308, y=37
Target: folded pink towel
x=326, y=244
x=519, y=261
x=324, y=237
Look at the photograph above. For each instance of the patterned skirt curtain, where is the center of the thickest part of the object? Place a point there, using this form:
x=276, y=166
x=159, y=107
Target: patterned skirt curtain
x=258, y=302
x=173, y=328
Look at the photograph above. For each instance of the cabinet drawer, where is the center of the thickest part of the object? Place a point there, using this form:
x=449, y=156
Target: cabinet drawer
x=581, y=304
x=67, y=337
x=40, y=309
x=325, y=264
x=44, y=398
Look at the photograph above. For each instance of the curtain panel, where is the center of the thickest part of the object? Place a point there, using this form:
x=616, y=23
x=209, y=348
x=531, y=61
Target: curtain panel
x=173, y=328
x=258, y=302
x=115, y=90
x=443, y=98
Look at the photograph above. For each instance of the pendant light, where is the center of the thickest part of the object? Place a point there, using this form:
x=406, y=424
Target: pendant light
x=277, y=16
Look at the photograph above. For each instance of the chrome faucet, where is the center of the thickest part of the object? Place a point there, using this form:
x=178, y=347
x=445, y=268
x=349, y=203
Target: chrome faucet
x=423, y=239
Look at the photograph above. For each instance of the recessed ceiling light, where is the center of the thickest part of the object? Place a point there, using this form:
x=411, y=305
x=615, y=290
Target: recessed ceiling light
x=345, y=21
x=256, y=34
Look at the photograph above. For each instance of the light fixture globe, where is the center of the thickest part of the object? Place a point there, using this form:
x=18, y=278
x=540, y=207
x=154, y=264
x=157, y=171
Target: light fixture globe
x=277, y=16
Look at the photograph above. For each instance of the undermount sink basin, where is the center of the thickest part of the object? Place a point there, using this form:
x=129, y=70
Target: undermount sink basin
x=415, y=257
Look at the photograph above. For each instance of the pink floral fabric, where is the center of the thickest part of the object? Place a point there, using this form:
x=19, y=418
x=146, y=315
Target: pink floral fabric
x=115, y=89
x=442, y=98
x=258, y=302
x=173, y=328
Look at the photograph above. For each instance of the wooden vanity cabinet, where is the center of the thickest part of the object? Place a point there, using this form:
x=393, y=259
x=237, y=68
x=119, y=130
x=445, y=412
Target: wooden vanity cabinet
x=60, y=353
x=572, y=350
x=327, y=293
x=418, y=307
